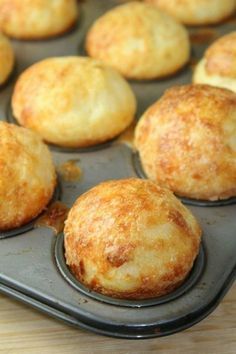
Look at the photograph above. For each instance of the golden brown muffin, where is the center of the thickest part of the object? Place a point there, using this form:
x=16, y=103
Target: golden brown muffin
x=73, y=101
x=218, y=66
x=130, y=239
x=140, y=41
x=27, y=176
x=6, y=58
x=197, y=12
x=37, y=19
x=186, y=141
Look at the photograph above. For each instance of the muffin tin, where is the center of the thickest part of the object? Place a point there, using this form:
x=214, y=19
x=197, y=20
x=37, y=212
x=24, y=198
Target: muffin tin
x=32, y=264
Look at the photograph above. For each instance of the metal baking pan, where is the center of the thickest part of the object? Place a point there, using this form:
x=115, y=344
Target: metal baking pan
x=32, y=265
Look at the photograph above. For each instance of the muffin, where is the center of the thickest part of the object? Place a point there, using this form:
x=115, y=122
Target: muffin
x=186, y=142
x=27, y=176
x=139, y=40
x=73, y=101
x=37, y=19
x=201, y=12
x=130, y=239
x=218, y=66
x=6, y=59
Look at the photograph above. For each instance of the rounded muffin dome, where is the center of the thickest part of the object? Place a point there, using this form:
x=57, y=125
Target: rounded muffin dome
x=197, y=12
x=218, y=66
x=186, y=141
x=139, y=40
x=73, y=101
x=130, y=239
x=6, y=58
x=37, y=19
x=27, y=176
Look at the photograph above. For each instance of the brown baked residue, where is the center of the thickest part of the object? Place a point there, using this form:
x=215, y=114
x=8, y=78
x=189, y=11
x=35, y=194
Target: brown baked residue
x=70, y=171
x=203, y=35
x=54, y=217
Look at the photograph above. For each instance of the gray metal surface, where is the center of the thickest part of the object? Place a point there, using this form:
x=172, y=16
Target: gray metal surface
x=28, y=269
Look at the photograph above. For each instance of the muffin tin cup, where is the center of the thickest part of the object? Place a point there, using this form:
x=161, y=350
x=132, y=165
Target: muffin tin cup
x=32, y=264
x=30, y=225
x=70, y=278
x=11, y=119
x=197, y=202
x=17, y=231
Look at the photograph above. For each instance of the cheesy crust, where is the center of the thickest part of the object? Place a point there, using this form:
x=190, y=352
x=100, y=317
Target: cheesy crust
x=130, y=239
x=197, y=12
x=186, y=141
x=73, y=101
x=37, y=19
x=218, y=65
x=7, y=59
x=27, y=176
x=140, y=41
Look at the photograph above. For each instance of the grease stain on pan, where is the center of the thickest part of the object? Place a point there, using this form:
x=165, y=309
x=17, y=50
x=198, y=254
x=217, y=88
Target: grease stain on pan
x=54, y=217
x=203, y=35
x=193, y=62
x=70, y=171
